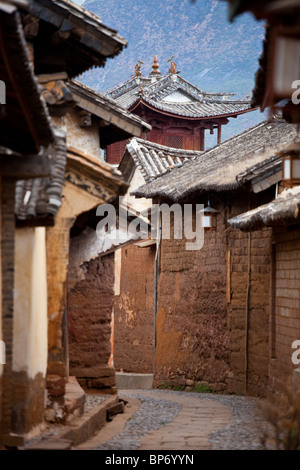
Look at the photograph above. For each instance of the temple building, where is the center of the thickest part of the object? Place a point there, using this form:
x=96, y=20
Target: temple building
x=178, y=111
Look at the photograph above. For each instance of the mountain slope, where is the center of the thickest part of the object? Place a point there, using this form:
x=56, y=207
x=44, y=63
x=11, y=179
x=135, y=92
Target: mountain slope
x=210, y=52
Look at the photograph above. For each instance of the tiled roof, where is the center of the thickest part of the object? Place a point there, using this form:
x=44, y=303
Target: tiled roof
x=72, y=13
x=152, y=159
x=38, y=200
x=221, y=167
x=162, y=94
x=25, y=125
x=286, y=208
x=199, y=109
x=88, y=41
x=106, y=108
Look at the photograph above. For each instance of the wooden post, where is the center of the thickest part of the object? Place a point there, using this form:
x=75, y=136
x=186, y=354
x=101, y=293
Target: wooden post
x=219, y=133
x=202, y=138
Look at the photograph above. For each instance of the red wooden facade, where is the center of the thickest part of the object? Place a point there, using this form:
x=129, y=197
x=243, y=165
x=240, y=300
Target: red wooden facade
x=171, y=131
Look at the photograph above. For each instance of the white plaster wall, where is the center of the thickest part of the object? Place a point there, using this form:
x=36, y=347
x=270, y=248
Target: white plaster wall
x=139, y=204
x=118, y=266
x=30, y=302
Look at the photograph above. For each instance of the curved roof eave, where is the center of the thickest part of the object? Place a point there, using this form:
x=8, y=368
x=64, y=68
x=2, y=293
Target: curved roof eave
x=142, y=101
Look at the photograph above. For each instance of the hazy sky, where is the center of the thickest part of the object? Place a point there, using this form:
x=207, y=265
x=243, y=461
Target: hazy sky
x=210, y=52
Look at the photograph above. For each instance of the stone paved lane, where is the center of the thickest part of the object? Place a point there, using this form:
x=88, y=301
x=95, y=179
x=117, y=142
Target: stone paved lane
x=166, y=420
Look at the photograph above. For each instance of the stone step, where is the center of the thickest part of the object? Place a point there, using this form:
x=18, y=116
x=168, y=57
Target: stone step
x=130, y=381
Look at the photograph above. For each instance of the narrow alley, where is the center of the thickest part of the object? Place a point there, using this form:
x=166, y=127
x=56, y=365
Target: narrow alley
x=171, y=420
x=149, y=227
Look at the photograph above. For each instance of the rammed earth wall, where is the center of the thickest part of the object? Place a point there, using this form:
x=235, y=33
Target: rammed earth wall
x=134, y=310
x=248, y=311
x=213, y=307
x=192, y=324
x=90, y=304
x=285, y=306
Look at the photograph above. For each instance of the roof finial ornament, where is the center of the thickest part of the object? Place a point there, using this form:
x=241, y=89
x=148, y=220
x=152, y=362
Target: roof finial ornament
x=173, y=65
x=137, y=68
x=155, y=67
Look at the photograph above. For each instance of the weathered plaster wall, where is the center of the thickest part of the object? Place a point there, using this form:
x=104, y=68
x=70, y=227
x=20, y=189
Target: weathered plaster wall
x=75, y=202
x=133, y=320
x=30, y=322
x=139, y=204
x=134, y=309
x=85, y=139
x=30, y=328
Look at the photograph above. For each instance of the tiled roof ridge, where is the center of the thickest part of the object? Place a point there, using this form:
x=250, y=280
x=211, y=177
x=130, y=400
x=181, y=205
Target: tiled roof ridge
x=165, y=148
x=179, y=81
x=154, y=160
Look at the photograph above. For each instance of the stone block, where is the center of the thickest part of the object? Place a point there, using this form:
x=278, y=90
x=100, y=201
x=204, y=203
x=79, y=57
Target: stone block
x=51, y=444
x=56, y=385
x=101, y=382
x=93, y=372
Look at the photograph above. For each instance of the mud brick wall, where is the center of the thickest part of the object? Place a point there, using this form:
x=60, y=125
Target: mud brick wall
x=192, y=332
x=285, y=311
x=134, y=311
x=89, y=317
x=248, y=311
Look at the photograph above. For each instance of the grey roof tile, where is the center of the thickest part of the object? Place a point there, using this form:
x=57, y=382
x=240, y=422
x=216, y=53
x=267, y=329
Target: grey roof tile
x=285, y=208
x=202, y=104
x=153, y=159
x=223, y=166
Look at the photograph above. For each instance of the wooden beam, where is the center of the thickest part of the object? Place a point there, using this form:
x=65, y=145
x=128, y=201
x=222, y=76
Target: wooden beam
x=52, y=77
x=24, y=167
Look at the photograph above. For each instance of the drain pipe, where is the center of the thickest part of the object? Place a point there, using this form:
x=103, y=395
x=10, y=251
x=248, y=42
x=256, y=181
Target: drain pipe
x=156, y=276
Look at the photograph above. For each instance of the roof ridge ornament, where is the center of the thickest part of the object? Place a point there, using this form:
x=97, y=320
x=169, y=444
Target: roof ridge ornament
x=137, y=68
x=155, y=67
x=173, y=66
